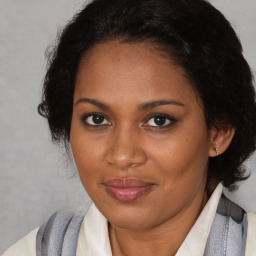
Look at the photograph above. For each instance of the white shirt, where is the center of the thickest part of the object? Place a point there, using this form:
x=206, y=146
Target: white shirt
x=94, y=240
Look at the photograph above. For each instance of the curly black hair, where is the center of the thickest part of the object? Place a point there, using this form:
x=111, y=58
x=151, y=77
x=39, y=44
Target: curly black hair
x=192, y=33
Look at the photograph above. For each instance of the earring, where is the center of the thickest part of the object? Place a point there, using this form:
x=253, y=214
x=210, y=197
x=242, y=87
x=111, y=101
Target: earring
x=217, y=151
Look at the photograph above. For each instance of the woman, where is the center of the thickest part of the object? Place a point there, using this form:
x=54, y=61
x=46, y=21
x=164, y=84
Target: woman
x=157, y=103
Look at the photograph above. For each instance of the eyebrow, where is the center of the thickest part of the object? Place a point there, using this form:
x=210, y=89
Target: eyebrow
x=144, y=106
x=93, y=102
x=157, y=103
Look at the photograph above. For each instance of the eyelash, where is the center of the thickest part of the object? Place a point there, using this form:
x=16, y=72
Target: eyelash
x=85, y=117
x=171, y=120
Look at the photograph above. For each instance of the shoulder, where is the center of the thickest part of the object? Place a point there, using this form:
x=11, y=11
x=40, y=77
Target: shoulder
x=251, y=234
x=24, y=247
x=60, y=233
x=61, y=229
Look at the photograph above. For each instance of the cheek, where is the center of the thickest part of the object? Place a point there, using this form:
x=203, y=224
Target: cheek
x=182, y=153
x=86, y=152
x=87, y=161
x=86, y=156
x=181, y=161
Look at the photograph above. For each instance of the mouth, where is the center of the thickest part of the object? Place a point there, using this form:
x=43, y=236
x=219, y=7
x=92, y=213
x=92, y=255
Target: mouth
x=127, y=190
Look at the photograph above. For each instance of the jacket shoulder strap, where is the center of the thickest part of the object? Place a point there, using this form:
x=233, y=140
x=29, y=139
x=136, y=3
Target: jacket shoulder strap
x=59, y=235
x=229, y=229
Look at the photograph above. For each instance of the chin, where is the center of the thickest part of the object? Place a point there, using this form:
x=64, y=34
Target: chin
x=130, y=224
x=131, y=217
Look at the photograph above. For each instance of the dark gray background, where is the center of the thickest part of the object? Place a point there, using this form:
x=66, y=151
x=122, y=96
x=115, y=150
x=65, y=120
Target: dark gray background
x=35, y=176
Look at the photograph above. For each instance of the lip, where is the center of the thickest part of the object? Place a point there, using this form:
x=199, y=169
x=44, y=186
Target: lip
x=127, y=190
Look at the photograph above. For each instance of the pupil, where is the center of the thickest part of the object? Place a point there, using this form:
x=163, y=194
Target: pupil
x=160, y=120
x=97, y=119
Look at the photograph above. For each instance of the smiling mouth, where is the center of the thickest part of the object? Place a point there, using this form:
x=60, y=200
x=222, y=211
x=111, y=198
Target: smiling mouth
x=127, y=190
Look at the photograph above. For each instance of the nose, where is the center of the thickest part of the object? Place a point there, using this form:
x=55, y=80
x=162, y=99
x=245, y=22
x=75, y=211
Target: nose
x=125, y=150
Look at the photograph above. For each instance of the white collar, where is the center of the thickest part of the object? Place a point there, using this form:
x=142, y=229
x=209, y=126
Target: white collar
x=94, y=239
x=195, y=241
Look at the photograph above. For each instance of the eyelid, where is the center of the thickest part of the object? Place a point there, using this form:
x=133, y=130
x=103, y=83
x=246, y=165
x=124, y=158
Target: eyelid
x=168, y=117
x=85, y=116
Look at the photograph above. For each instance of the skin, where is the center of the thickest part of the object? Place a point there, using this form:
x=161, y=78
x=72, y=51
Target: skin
x=119, y=79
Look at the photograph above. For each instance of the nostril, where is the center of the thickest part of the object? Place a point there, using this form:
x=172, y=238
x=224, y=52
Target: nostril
x=133, y=165
x=125, y=160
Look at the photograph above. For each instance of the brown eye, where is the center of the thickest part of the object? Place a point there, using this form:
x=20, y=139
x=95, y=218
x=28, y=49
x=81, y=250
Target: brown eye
x=160, y=121
x=96, y=120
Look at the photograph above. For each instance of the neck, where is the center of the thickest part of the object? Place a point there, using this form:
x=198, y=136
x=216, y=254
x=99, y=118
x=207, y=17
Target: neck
x=162, y=240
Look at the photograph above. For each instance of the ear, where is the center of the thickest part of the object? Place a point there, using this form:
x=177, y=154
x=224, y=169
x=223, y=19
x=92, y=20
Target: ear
x=220, y=140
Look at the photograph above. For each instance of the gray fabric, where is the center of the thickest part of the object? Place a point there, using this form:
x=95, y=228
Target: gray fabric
x=228, y=233
x=71, y=236
x=58, y=237
x=39, y=240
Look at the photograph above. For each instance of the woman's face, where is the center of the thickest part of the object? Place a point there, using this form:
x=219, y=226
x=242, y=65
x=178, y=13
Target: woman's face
x=138, y=136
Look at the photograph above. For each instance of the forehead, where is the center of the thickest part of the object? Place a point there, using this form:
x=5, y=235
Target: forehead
x=137, y=70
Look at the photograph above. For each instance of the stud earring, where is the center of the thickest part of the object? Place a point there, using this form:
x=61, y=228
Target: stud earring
x=217, y=151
